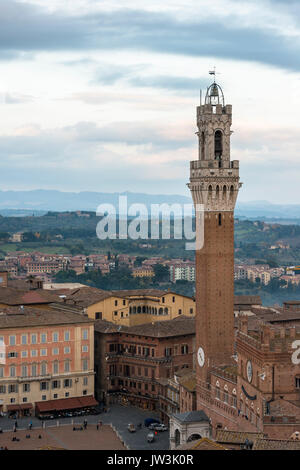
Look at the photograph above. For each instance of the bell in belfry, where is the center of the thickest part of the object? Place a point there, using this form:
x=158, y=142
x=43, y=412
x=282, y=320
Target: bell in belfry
x=214, y=90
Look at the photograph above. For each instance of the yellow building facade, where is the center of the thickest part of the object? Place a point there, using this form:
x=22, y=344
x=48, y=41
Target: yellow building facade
x=141, y=306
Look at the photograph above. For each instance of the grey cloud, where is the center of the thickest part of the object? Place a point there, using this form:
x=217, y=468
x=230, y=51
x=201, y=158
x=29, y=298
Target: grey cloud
x=169, y=82
x=84, y=137
x=109, y=74
x=25, y=27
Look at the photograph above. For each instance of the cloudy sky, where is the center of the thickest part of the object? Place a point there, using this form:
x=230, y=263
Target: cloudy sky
x=101, y=95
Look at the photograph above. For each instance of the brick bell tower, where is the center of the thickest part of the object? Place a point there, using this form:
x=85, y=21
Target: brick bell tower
x=214, y=183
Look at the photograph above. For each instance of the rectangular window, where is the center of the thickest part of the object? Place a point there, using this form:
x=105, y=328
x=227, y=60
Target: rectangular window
x=85, y=364
x=44, y=385
x=297, y=382
x=24, y=339
x=43, y=338
x=184, y=349
x=26, y=388
x=55, y=351
x=12, y=371
x=24, y=371
x=67, y=350
x=67, y=366
x=43, y=368
x=1, y=372
x=33, y=353
x=43, y=352
x=67, y=383
x=33, y=339
x=2, y=389
x=85, y=334
x=67, y=336
x=12, y=354
x=55, y=367
x=55, y=337
x=12, y=340
x=34, y=370
x=85, y=381
x=85, y=349
x=55, y=384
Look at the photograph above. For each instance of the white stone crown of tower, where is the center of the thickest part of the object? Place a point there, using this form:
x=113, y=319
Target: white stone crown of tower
x=214, y=178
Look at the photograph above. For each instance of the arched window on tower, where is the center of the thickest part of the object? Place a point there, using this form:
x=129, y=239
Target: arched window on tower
x=202, y=146
x=218, y=145
x=220, y=219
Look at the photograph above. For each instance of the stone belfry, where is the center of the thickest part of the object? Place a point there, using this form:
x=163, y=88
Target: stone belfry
x=214, y=184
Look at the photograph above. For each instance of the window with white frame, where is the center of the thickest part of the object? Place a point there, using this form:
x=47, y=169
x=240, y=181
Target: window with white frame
x=43, y=338
x=33, y=339
x=34, y=370
x=24, y=339
x=85, y=334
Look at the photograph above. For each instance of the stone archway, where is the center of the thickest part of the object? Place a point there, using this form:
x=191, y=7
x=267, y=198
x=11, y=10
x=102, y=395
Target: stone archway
x=194, y=437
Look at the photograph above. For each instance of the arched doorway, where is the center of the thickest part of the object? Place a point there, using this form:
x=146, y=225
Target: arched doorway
x=177, y=437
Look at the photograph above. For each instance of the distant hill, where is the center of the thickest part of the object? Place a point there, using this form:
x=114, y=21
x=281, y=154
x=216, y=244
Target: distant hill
x=37, y=202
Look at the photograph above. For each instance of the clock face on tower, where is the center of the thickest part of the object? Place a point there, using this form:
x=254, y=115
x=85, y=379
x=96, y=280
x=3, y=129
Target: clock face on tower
x=249, y=371
x=201, y=357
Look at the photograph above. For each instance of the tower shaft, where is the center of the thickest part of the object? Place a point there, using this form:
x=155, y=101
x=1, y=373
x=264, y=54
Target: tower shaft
x=214, y=184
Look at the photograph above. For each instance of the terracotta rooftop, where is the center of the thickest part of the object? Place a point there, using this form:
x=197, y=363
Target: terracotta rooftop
x=247, y=300
x=177, y=327
x=276, y=444
x=11, y=296
x=29, y=317
x=188, y=382
x=236, y=437
x=86, y=296
x=202, y=444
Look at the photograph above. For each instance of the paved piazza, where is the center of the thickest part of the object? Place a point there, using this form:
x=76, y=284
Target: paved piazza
x=63, y=436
